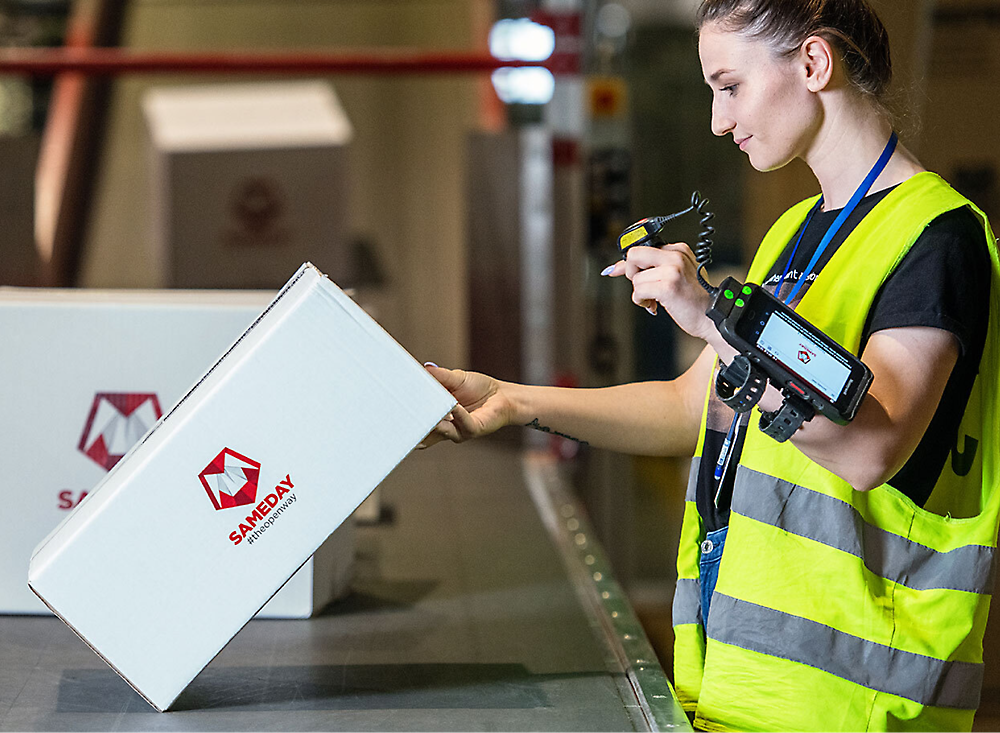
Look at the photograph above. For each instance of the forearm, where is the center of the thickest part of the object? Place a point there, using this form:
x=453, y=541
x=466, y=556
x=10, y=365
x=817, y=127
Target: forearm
x=633, y=418
x=859, y=453
x=866, y=453
x=911, y=368
x=645, y=418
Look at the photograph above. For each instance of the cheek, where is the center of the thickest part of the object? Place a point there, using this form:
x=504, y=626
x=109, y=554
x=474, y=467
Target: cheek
x=787, y=119
x=778, y=142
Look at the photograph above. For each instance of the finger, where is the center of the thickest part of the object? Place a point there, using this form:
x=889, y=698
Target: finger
x=615, y=270
x=660, y=279
x=645, y=303
x=682, y=248
x=464, y=424
x=631, y=270
x=432, y=438
x=642, y=258
x=647, y=277
x=639, y=259
x=651, y=294
x=444, y=430
x=450, y=379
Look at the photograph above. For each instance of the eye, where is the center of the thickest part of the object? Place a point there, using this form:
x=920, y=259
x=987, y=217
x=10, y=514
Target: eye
x=730, y=89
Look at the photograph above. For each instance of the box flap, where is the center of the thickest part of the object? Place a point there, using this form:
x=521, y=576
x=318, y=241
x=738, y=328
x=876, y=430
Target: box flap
x=247, y=115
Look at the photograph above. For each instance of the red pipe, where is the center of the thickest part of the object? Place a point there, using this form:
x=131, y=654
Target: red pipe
x=113, y=62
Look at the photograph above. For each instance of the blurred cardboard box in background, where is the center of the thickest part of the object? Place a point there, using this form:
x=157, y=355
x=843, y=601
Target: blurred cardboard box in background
x=249, y=181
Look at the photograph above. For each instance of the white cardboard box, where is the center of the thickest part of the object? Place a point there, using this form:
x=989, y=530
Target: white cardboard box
x=85, y=374
x=162, y=564
x=248, y=180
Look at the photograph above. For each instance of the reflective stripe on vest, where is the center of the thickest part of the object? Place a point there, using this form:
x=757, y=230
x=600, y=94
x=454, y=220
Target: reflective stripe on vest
x=689, y=634
x=835, y=523
x=922, y=679
x=840, y=609
x=687, y=602
x=686, y=608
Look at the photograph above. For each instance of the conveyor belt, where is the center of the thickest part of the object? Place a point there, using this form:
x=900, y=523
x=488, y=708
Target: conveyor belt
x=483, y=604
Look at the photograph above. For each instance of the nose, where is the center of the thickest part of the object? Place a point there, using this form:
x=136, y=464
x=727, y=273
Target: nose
x=722, y=122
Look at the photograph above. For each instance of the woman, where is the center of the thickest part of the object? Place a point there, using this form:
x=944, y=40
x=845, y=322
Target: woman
x=841, y=579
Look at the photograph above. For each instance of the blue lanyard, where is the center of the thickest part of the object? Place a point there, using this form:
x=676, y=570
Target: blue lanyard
x=798, y=241
x=862, y=191
x=722, y=464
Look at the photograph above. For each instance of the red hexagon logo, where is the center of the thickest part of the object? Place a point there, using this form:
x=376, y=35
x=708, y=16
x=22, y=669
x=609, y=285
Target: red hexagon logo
x=231, y=479
x=116, y=422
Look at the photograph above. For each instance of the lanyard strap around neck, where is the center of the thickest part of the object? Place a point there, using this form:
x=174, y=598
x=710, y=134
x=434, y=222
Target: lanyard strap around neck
x=842, y=217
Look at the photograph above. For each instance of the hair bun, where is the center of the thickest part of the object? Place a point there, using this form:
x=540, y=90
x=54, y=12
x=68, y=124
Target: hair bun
x=851, y=26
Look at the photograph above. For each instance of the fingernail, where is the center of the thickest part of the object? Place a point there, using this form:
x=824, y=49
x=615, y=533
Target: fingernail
x=431, y=363
x=607, y=270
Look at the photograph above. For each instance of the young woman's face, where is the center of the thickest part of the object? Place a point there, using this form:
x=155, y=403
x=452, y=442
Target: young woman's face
x=758, y=96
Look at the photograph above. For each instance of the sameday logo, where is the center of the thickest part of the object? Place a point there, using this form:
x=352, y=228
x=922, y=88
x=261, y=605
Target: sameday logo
x=116, y=422
x=231, y=481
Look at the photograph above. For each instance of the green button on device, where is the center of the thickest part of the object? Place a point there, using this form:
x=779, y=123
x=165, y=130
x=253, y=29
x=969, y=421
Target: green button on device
x=728, y=294
x=747, y=290
x=740, y=303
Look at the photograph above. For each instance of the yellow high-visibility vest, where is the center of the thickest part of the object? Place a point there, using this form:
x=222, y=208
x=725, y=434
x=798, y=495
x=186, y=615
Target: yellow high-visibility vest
x=838, y=609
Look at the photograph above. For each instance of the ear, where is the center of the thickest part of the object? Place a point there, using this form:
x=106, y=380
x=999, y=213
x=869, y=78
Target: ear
x=818, y=58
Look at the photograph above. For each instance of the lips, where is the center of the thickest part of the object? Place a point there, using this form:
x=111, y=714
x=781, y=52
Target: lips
x=743, y=142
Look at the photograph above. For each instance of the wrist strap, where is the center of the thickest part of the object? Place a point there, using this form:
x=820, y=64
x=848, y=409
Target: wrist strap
x=783, y=422
x=740, y=385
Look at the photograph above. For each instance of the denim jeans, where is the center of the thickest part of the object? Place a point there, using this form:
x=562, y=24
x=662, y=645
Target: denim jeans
x=711, y=554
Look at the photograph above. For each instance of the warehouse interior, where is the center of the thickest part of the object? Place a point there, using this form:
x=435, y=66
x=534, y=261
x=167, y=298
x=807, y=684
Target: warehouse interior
x=474, y=231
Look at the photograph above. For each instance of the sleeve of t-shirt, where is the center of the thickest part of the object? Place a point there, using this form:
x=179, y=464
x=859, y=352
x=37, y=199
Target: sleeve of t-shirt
x=942, y=282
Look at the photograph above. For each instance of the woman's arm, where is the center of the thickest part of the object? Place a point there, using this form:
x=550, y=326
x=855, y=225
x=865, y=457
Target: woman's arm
x=911, y=367
x=644, y=418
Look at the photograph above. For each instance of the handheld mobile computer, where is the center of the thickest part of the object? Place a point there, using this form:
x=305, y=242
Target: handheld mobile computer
x=797, y=357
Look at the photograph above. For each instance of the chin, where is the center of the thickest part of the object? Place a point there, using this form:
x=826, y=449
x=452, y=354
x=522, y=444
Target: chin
x=765, y=165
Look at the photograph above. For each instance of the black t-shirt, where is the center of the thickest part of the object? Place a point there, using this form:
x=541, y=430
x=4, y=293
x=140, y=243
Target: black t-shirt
x=942, y=282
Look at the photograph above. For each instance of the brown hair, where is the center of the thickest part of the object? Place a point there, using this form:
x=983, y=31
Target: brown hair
x=850, y=26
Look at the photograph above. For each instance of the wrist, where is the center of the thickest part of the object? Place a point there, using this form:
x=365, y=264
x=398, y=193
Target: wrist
x=713, y=337
x=520, y=407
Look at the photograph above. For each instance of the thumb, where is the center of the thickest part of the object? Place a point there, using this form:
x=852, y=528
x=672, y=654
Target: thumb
x=450, y=379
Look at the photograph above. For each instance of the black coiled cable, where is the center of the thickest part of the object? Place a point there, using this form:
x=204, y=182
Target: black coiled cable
x=703, y=247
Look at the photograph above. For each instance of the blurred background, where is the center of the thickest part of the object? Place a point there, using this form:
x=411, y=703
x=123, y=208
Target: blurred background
x=470, y=208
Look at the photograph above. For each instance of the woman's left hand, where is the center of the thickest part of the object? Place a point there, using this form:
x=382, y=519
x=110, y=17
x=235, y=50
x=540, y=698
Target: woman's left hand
x=666, y=276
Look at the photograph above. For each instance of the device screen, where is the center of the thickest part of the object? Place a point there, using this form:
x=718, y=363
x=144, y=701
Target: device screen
x=800, y=353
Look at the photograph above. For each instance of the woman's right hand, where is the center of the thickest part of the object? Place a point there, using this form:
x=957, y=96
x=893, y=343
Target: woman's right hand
x=483, y=406
x=668, y=276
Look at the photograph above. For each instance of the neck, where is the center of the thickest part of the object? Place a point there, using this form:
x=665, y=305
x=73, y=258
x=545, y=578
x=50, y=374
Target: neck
x=850, y=140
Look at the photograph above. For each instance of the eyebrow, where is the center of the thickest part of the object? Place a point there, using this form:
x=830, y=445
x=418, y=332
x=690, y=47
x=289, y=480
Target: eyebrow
x=719, y=73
